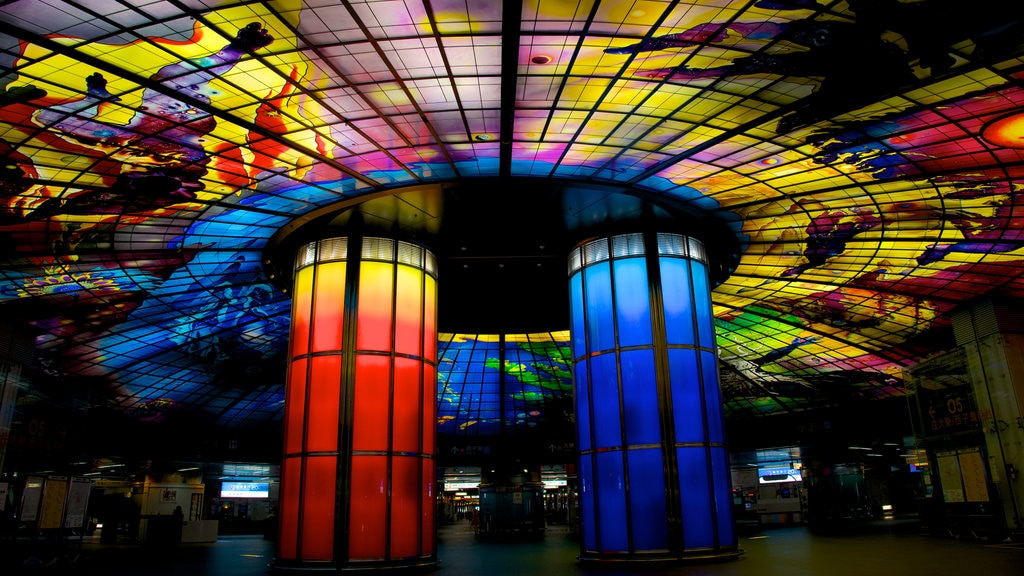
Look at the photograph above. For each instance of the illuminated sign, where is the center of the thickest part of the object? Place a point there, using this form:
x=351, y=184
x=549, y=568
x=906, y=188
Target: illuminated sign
x=771, y=475
x=245, y=490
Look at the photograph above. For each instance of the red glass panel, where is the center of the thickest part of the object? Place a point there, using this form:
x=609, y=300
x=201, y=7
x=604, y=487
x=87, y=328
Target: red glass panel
x=408, y=310
x=370, y=414
x=427, y=507
x=405, y=506
x=429, y=408
x=367, y=508
x=376, y=285
x=302, y=306
x=324, y=401
x=318, y=508
x=288, y=508
x=408, y=406
x=329, y=307
x=430, y=319
x=295, y=407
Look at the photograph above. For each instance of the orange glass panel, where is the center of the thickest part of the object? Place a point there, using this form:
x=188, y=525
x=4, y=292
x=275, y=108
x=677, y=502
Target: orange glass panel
x=408, y=310
x=302, y=308
x=370, y=414
x=429, y=408
x=405, y=506
x=374, y=322
x=295, y=407
x=328, y=307
x=430, y=319
x=427, y=507
x=324, y=404
x=318, y=508
x=407, y=406
x=367, y=508
x=288, y=508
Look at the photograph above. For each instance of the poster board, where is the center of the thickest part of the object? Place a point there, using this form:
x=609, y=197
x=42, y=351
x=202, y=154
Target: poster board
x=77, y=503
x=972, y=469
x=51, y=511
x=949, y=477
x=30, y=498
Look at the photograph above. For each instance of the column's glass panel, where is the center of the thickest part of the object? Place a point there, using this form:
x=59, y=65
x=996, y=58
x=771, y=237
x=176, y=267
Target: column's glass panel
x=600, y=315
x=694, y=489
x=587, y=503
x=687, y=409
x=429, y=409
x=291, y=490
x=406, y=406
x=582, y=400
x=318, y=488
x=324, y=404
x=374, y=319
x=712, y=397
x=295, y=407
x=677, y=301
x=578, y=332
x=405, y=506
x=408, y=311
x=640, y=397
x=328, y=306
x=702, y=306
x=604, y=381
x=429, y=318
x=302, y=310
x=611, y=502
x=632, y=302
x=723, y=503
x=368, y=512
x=647, y=505
x=372, y=395
x=427, y=482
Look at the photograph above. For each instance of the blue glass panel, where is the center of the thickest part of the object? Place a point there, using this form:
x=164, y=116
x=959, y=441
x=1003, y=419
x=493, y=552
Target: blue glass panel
x=647, y=507
x=712, y=398
x=600, y=315
x=702, y=305
x=695, y=493
x=588, y=521
x=723, y=506
x=604, y=386
x=633, y=302
x=687, y=409
x=582, y=400
x=577, y=329
x=611, y=502
x=675, y=287
x=640, y=397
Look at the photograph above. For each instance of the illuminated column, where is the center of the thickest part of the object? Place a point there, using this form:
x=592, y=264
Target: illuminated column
x=654, y=472
x=357, y=477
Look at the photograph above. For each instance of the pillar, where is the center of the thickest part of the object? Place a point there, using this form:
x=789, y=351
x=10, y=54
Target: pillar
x=358, y=472
x=654, y=472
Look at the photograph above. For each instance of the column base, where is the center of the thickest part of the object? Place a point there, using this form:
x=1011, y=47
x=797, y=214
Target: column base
x=657, y=560
x=412, y=566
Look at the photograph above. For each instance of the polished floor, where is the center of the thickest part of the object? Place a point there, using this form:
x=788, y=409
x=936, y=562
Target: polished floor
x=783, y=551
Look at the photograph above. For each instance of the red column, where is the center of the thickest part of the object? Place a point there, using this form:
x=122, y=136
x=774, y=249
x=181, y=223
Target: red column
x=358, y=473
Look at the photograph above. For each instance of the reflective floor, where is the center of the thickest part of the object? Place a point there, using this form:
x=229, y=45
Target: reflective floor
x=785, y=551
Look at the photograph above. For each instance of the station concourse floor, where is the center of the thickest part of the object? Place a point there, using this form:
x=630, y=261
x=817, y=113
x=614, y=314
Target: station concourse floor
x=775, y=551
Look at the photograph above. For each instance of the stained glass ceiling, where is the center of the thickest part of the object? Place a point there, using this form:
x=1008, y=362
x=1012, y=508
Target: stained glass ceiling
x=865, y=154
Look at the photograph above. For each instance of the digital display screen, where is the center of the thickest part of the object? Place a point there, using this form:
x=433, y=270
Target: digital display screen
x=245, y=490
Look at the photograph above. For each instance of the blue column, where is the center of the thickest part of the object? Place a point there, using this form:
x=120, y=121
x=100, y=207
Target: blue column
x=654, y=471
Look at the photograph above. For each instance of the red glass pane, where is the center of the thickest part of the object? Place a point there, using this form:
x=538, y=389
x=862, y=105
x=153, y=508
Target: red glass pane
x=372, y=395
x=429, y=408
x=288, y=508
x=408, y=311
x=427, y=507
x=295, y=407
x=324, y=401
x=408, y=406
x=405, y=506
x=374, y=321
x=302, y=307
x=318, y=508
x=367, y=508
x=430, y=319
x=329, y=307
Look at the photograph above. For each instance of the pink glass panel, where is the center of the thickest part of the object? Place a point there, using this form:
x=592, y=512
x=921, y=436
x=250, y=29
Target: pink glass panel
x=408, y=310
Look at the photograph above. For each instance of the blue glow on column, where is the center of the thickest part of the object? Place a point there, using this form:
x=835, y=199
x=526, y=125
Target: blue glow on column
x=654, y=476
